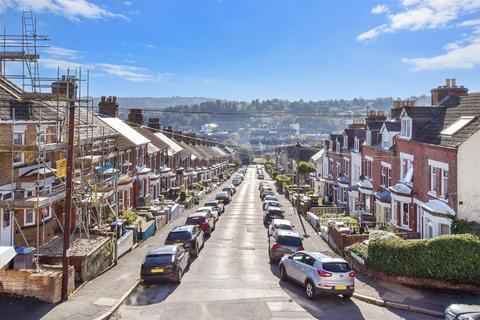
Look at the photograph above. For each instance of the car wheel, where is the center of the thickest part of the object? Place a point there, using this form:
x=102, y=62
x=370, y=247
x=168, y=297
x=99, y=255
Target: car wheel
x=347, y=296
x=309, y=289
x=179, y=276
x=283, y=273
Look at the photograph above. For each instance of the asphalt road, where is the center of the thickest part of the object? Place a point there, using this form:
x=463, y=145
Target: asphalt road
x=232, y=279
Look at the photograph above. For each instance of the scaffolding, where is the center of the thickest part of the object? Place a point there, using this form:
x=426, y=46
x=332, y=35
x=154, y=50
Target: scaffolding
x=51, y=102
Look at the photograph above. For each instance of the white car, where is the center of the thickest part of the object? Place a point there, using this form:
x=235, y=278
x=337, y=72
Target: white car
x=281, y=224
x=212, y=210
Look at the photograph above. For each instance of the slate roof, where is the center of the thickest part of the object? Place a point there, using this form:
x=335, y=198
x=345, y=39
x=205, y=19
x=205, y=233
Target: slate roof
x=156, y=141
x=392, y=126
x=431, y=133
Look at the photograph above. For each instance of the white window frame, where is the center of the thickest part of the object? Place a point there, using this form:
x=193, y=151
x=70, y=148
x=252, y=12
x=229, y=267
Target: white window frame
x=356, y=144
x=410, y=164
x=21, y=161
x=433, y=179
x=444, y=183
x=346, y=167
x=49, y=216
x=368, y=140
x=338, y=146
x=42, y=133
x=406, y=127
x=345, y=141
x=25, y=223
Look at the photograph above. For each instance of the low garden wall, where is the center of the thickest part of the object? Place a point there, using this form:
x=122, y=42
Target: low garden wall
x=45, y=285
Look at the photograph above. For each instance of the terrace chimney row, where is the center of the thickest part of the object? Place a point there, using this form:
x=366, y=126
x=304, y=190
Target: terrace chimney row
x=449, y=89
x=108, y=106
x=136, y=116
x=154, y=123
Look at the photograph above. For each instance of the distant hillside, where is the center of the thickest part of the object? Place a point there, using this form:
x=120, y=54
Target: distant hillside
x=155, y=103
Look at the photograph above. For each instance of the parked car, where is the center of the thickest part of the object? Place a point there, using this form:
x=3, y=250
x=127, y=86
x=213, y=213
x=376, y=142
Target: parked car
x=270, y=198
x=279, y=224
x=231, y=190
x=271, y=203
x=462, y=312
x=205, y=220
x=261, y=184
x=283, y=243
x=272, y=213
x=210, y=210
x=236, y=182
x=261, y=177
x=319, y=272
x=216, y=204
x=167, y=263
x=189, y=237
x=266, y=193
x=223, y=196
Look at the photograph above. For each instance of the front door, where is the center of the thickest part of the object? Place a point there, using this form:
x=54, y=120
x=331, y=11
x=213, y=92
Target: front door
x=5, y=228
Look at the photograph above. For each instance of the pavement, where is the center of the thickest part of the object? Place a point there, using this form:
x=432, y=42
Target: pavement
x=231, y=278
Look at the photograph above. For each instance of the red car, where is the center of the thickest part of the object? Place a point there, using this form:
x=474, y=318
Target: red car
x=204, y=220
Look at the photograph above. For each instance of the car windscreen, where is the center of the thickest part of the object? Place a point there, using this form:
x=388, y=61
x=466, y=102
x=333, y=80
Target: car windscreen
x=283, y=226
x=337, y=267
x=273, y=204
x=158, y=260
x=178, y=236
x=290, y=241
x=211, y=204
x=195, y=220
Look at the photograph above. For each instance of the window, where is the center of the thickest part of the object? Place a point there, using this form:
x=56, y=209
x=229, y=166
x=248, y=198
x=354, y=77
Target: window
x=18, y=138
x=338, y=169
x=457, y=125
x=406, y=128
x=368, y=168
x=388, y=214
x=344, y=195
x=386, y=140
x=445, y=183
x=42, y=136
x=18, y=158
x=405, y=214
x=345, y=141
x=443, y=229
x=6, y=218
x=346, y=167
x=406, y=169
x=45, y=213
x=433, y=179
x=356, y=146
x=29, y=193
x=29, y=217
x=7, y=195
x=369, y=138
x=338, y=147
x=386, y=176
x=367, y=203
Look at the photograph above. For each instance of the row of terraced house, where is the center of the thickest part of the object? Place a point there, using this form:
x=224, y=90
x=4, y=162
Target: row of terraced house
x=133, y=163
x=416, y=168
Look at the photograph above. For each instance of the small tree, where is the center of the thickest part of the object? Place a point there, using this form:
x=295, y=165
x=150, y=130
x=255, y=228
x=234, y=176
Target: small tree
x=305, y=168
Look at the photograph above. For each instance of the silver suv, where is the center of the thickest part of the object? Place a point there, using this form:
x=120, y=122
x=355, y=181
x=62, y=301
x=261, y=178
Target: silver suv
x=283, y=243
x=319, y=272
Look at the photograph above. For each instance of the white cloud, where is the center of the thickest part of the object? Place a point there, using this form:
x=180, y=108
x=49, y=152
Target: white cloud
x=132, y=73
x=371, y=34
x=52, y=63
x=72, y=9
x=127, y=3
x=466, y=57
x=422, y=14
x=381, y=8
x=63, y=52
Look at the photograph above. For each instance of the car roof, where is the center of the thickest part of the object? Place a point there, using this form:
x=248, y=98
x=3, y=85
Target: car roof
x=270, y=200
x=162, y=250
x=222, y=193
x=211, y=201
x=275, y=209
x=326, y=256
x=287, y=233
x=271, y=196
x=198, y=214
x=203, y=208
x=182, y=228
x=281, y=221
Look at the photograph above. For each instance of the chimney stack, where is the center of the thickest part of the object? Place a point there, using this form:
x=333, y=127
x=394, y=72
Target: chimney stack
x=65, y=88
x=108, y=106
x=449, y=89
x=154, y=123
x=398, y=106
x=136, y=116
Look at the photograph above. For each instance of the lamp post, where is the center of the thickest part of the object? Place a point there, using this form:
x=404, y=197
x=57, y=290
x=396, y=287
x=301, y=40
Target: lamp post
x=305, y=235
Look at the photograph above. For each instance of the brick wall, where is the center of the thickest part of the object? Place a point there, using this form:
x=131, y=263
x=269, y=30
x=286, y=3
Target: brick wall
x=47, y=231
x=45, y=285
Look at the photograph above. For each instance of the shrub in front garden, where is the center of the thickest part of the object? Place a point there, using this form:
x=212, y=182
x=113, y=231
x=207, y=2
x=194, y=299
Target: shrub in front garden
x=450, y=258
x=359, y=249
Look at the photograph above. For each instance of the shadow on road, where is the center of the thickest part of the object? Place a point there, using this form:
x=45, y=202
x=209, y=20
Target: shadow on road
x=323, y=306
x=23, y=308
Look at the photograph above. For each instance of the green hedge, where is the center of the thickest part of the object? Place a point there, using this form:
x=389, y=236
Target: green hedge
x=462, y=226
x=359, y=249
x=450, y=258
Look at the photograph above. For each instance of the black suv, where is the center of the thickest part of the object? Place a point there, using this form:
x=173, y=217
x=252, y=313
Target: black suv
x=272, y=213
x=166, y=263
x=189, y=237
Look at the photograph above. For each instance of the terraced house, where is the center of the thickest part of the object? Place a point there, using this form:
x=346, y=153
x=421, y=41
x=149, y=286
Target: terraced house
x=415, y=170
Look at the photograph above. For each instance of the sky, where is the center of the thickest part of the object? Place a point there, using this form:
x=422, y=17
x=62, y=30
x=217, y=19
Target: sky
x=248, y=49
